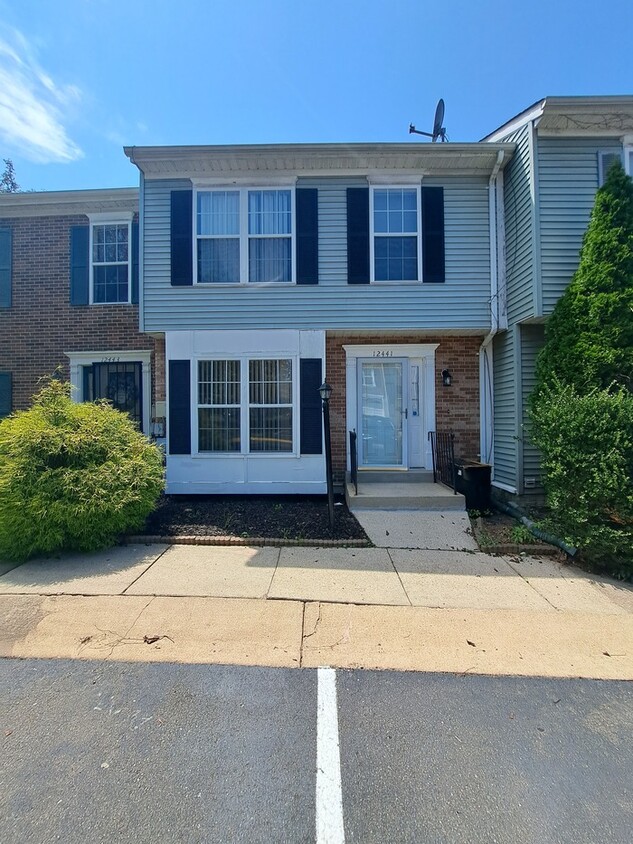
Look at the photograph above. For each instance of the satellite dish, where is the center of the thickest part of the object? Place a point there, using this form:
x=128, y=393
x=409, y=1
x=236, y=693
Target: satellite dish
x=438, y=130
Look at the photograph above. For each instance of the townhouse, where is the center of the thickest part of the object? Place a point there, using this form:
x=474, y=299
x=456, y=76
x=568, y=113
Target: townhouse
x=267, y=269
x=69, y=301
x=564, y=146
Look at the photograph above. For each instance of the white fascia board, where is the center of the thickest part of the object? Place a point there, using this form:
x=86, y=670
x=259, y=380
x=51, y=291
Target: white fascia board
x=527, y=116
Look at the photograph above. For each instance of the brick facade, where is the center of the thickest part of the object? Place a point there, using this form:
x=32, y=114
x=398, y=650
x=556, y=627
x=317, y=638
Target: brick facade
x=41, y=324
x=456, y=407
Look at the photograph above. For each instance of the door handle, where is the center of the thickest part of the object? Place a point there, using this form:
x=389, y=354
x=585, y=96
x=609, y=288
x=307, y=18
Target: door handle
x=406, y=413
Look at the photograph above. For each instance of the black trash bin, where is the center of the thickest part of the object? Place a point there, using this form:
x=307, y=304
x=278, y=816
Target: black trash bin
x=472, y=479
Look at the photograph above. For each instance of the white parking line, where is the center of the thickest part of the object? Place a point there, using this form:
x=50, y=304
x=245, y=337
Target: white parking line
x=329, y=794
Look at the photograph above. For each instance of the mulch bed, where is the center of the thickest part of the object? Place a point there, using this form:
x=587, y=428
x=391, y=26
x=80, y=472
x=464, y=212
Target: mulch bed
x=288, y=517
x=496, y=534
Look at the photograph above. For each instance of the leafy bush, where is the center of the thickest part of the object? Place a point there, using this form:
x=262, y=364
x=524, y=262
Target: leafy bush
x=586, y=442
x=72, y=476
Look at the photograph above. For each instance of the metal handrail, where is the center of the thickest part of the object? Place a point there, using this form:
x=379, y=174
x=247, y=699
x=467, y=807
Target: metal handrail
x=443, y=453
x=353, y=460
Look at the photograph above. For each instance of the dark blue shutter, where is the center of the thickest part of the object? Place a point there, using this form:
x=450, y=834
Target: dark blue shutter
x=135, y=251
x=307, y=207
x=310, y=422
x=79, y=265
x=358, y=235
x=181, y=238
x=179, y=421
x=5, y=268
x=6, y=394
x=433, y=260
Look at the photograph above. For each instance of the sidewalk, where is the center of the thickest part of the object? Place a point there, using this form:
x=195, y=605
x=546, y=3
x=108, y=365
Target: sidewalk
x=409, y=606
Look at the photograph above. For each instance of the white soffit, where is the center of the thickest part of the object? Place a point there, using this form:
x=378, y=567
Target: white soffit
x=317, y=159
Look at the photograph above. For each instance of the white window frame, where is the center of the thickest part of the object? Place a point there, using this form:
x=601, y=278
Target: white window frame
x=372, y=234
x=110, y=219
x=244, y=236
x=245, y=406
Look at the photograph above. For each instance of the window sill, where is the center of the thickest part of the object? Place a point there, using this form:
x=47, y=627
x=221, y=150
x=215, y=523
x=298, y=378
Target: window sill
x=207, y=455
x=233, y=284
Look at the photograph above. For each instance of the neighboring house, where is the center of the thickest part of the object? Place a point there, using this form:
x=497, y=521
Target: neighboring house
x=69, y=301
x=564, y=146
x=270, y=268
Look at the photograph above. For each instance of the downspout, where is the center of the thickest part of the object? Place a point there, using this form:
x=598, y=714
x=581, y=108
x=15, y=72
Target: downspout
x=141, y=253
x=486, y=401
x=512, y=510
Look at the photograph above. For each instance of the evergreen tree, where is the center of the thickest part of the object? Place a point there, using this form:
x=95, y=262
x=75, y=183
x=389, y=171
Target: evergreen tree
x=589, y=337
x=8, y=182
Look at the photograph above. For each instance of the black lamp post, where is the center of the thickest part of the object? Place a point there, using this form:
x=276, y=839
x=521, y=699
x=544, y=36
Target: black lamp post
x=325, y=392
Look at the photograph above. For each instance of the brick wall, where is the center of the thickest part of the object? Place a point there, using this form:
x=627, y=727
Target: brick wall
x=42, y=325
x=456, y=407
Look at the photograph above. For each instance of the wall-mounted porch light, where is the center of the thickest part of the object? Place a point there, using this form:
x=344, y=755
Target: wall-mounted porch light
x=447, y=378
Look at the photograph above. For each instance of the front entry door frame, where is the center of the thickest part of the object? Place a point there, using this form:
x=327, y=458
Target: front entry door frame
x=417, y=354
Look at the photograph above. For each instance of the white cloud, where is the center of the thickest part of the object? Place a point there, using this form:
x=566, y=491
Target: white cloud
x=32, y=105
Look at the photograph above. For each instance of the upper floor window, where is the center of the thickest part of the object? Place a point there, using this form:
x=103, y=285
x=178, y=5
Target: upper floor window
x=395, y=238
x=244, y=236
x=110, y=264
x=605, y=160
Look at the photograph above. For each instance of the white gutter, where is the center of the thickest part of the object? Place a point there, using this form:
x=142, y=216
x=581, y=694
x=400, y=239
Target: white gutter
x=486, y=392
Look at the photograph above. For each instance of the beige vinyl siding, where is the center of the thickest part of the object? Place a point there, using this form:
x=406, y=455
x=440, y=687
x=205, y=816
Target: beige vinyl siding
x=461, y=303
x=505, y=442
x=568, y=180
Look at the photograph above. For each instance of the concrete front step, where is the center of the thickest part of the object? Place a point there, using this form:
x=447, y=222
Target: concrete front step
x=387, y=476
x=402, y=496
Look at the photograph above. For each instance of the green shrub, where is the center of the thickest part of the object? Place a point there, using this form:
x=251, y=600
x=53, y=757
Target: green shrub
x=586, y=444
x=72, y=476
x=589, y=336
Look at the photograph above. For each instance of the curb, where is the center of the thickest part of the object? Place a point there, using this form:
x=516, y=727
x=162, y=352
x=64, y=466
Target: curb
x=245, y=541
x=510, y=548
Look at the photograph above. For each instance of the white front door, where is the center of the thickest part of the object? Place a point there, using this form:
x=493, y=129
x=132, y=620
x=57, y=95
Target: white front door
x=383, y=412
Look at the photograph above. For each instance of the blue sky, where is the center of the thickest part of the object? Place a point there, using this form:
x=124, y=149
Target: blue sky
x=81, y=78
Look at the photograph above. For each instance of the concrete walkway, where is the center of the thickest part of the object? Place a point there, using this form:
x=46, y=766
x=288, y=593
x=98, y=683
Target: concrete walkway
x=401, y=606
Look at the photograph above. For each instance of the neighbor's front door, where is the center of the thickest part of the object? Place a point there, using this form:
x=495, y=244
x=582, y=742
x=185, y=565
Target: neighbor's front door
x=383, y=412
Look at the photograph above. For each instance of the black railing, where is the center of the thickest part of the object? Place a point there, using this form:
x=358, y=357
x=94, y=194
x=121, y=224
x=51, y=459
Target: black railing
x=353, y=460
x=443, y=451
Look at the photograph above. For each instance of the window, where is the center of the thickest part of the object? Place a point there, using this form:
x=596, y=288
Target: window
x=266, y=425
x=270, y=405
x=244, y=236
x=110, y=265
x=605, y=160
x=219, y=400
x=395, y=225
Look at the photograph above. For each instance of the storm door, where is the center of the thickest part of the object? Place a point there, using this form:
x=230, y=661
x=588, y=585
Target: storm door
x=383, y=413
x=120, y=384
